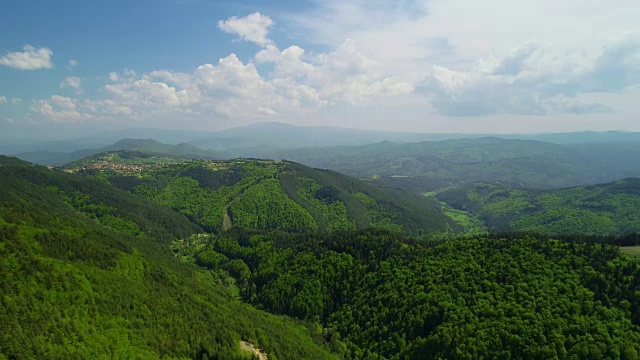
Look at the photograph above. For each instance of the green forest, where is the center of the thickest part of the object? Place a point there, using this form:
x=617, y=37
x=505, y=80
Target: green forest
x=87, y=273
x=609, y=209
x=210, y=259
x=377, y=295
x=260, y=194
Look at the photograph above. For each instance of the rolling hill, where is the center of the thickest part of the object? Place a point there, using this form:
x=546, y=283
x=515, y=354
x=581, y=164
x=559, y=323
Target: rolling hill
x=576, y=158
x=608, y=209
x=260, y=194
x=182, y=151
x=431, y=165
x=86, y=272
x=428, y=166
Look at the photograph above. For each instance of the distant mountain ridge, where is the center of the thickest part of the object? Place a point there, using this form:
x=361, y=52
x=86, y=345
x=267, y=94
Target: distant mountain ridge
x=277, y=135
x=603, y=209
x=423, y=166
x=146, y=145
x=429, y=165
x=154, y=146
x=434, y=164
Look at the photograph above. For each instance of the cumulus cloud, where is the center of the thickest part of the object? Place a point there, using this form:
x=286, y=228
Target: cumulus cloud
x=253, y=28
x=72, y=82
x=617, y=68
x=3, y=99
x=16, y=101
x=63, y=102
x=60, y=109
x=73, y=63
x=530, y=81
x=344, y=75
x=298, y=85
x=146, y=93
x=30, y=59
x=232, y=88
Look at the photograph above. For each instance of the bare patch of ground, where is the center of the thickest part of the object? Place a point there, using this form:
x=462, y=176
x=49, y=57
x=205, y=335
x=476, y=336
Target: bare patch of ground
x=248, y=347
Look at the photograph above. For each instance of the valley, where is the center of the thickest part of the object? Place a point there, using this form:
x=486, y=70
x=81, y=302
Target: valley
x=320, y=180
x=278, y=260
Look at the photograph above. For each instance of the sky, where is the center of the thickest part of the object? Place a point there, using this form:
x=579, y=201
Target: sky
x=74, y=67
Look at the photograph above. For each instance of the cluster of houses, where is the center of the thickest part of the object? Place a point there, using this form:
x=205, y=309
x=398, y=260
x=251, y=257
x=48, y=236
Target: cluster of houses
x=111, y=166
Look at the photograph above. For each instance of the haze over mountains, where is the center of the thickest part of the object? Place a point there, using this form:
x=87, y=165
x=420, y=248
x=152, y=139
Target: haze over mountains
x=418, y=162
x=384, y=259
x=285, y=136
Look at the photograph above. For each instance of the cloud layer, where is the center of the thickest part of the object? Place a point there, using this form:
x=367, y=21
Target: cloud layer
x=299, y=84
x=30, y=59
x=530, y=81
x=414, y=57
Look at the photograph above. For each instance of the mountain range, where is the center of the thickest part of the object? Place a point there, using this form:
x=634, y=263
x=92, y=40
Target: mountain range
x=274, y=135
x=263, y=259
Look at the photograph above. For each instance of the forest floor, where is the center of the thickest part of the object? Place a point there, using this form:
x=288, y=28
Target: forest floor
x=248, y=347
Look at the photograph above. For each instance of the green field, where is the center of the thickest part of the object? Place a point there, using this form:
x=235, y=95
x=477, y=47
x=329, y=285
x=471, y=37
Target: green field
x=633, y=251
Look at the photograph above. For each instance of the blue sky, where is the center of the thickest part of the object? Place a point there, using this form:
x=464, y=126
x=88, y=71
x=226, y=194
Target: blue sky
x=68, y=67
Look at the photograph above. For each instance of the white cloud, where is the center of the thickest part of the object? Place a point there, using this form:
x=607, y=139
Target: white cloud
x=402, y=54
x=3, y=99
x=442, y=41
x=73, y=63
x=403, y=30
x=127, y=75
x=253, y=28
x=63, y=102
x=30, y=59
x=533, y=81
x=16, y=101
x=60, y=109
x=344, y=75
x=72, y=82
x=146, y=93
x=298, y=85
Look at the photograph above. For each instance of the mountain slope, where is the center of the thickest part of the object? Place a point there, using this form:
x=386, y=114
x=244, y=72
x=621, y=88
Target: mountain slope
x=389, y=297
x=153, y=146
x=182, y=150
x=419, y=167
x=257, y=194
x=434, y=164
x=608, y=209
x=85, y=272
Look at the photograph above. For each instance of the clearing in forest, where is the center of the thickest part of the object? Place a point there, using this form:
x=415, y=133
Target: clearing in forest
x=248, y=347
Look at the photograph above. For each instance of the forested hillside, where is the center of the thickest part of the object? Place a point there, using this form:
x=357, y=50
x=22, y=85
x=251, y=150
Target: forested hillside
x=579, y=159
x=609, y=209
x=257, y=194
x=146, y=146
x=85, y=272
x=434, y=164
x=430, y=165
x=381, y=296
